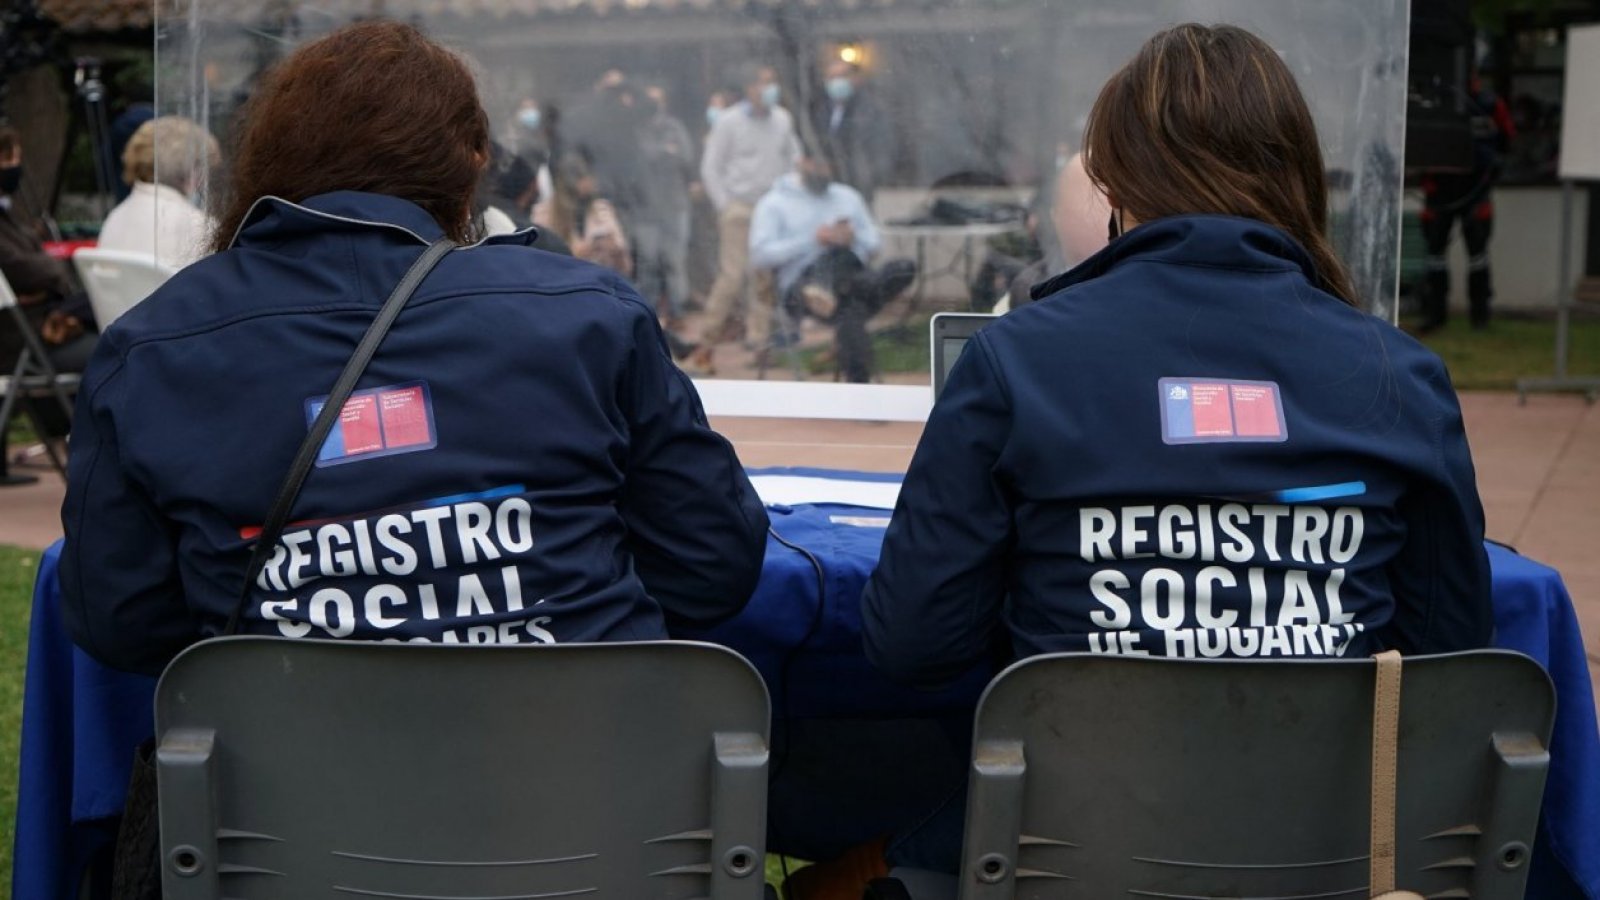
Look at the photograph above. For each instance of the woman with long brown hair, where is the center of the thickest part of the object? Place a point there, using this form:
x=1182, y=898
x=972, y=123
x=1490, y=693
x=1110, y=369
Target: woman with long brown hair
x=520, y=463
x=1196, y=443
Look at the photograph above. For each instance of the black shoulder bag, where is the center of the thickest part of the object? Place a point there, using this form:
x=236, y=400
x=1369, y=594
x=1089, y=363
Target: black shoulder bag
x=136, y=867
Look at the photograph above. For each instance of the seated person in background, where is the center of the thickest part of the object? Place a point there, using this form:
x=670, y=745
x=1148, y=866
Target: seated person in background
x=585, y=221
x=1195, y=444
x=166, y=160
x=522, y=463
x=507, y=192
x=819, y=237
x=50, y=300
x=43, y=284
x=1077, y=219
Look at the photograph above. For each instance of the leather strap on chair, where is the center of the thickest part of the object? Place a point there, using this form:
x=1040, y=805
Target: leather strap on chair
x=1385, y=757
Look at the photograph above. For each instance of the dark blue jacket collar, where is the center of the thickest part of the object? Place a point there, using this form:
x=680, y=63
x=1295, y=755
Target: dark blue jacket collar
x=1222, y=242
x=273, y=219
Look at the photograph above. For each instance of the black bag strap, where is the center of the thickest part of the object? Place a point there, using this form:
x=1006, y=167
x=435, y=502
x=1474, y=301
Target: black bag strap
x=272, y=529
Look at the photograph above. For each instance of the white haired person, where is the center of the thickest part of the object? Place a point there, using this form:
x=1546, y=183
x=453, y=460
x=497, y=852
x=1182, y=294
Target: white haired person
x=166, y=161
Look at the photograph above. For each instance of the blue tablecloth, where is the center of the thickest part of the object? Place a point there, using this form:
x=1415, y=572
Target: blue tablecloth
x=81, y=721
x=1534, y=615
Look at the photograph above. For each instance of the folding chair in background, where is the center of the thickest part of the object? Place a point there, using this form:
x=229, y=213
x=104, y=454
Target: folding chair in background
x=293, y=769
x=1099, y=776
x=117, y=280
x=33, y=377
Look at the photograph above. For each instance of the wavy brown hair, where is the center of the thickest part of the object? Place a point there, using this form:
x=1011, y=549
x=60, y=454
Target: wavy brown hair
x=375, y=107
x=1210, y=120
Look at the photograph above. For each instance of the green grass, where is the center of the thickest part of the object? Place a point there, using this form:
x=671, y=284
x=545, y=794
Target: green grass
x=903, y=348
x=20, y=432
x=775, y=869
x=1493, y=359
x=17, y=567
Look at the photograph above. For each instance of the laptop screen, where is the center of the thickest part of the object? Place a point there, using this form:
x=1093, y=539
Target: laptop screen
x=948, y=337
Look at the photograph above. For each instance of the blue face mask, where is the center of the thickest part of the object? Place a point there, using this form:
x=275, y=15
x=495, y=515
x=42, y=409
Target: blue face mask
x=711, y=114
x=529, y=119
x=840, y=89
x=770, y=95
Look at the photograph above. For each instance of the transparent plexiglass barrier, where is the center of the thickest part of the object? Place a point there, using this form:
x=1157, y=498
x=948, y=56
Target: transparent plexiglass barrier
x=960, y=114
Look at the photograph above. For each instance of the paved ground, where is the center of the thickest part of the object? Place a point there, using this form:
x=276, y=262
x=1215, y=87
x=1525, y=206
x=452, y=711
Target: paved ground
x=1538, y=474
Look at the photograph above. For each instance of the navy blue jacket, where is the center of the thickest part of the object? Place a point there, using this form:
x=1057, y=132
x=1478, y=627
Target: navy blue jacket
x=1185, y=449
x=520, y=463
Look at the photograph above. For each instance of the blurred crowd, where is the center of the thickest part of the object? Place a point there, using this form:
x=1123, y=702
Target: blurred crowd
x=756, y=217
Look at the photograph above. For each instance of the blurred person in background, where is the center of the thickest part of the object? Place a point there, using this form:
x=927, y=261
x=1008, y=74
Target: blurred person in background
x=585, y=220
x=751, y=145
x=854, y=129
x=529, y=138
x=508, y=191
x=136, y=93
x=1467, y=197
x=818, y=238
x=603, y=131
x=51, y=303
x=166, y=161
x=661, y=226
x=703, y=251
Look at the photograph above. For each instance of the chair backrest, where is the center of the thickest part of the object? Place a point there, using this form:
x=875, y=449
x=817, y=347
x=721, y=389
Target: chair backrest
x=1205, y=778
x=293, y=769
x=117, y=280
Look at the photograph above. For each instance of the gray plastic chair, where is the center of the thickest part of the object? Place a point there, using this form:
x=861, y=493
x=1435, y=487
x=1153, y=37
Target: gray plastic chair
x=295, y=769
x=1122, y=776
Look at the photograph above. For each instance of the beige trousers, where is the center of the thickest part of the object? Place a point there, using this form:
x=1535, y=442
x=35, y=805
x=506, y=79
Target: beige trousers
x=733, y=266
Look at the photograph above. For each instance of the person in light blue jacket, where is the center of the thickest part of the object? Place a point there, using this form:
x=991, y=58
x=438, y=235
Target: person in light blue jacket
x=818, y=237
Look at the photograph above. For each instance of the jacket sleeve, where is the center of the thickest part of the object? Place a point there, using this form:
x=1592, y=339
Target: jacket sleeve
x=121, y=597
x=770, y=247
x=696, y=528
x=1440, y=578
x=933, y=605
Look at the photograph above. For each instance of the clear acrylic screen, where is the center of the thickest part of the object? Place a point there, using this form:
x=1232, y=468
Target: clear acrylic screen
x=974, y=104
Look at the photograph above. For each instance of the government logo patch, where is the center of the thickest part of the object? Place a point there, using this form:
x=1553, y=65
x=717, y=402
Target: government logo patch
x=1210, y=410
x=377, y=422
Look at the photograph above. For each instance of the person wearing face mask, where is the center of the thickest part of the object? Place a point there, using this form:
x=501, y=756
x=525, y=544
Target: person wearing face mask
x=528, y=134
x=853, y=128
x=165, y=161
x=818, y=237
x=50, y=300
x=750, y=147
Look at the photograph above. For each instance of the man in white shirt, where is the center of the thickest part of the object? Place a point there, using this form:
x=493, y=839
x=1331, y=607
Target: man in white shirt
x=165, y=162
x=751, y=145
